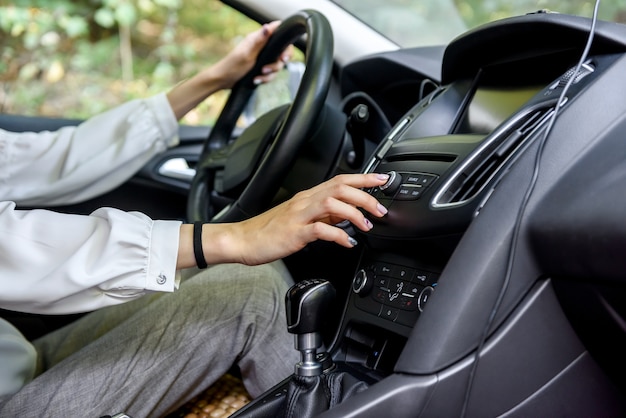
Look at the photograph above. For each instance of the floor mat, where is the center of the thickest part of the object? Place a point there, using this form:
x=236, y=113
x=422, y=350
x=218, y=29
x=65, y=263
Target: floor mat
x=226, y=396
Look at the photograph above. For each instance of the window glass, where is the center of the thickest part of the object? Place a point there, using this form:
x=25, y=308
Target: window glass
x=409, y=23
x=71, y=59
x=412, y=23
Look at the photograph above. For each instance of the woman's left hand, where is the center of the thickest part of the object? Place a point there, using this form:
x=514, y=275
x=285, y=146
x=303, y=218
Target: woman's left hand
x=243, y=57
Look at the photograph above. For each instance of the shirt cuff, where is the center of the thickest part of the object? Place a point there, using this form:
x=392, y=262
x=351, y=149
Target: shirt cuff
x=162, y=275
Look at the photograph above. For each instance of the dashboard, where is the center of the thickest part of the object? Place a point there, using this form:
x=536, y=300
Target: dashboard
x=451, y=125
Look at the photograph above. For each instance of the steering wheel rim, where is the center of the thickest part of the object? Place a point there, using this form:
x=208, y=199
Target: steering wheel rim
x=297, y=124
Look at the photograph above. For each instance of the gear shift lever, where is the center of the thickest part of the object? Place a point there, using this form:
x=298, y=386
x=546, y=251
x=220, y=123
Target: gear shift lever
x=306, y=303
x=315, y=386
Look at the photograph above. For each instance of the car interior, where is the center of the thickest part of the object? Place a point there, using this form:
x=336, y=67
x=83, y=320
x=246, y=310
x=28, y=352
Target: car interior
x=495, y=285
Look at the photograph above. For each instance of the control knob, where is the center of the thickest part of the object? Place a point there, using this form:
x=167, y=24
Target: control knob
x=393, y=183
x=362, y=282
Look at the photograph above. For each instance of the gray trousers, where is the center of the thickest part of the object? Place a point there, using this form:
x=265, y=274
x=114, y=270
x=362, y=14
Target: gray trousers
x=149, y=356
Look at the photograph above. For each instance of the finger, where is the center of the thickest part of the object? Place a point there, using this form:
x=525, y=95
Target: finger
x=260, y=37
x=261, y=79
x=273, y=67
x=332, y=210
x=334, y=201
x=325, y=232
x=270, y=27
x=287, y=54
x=348, y=192
x=279, y=64
x=361, y=180
x=268, y=72
x=342, y=211
x=356, y=181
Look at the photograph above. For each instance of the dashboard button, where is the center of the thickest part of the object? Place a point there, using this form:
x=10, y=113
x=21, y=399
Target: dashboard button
x=362, y=282
x=389, y=313
x=409, y=192
x=412, y=178
x=424, y=296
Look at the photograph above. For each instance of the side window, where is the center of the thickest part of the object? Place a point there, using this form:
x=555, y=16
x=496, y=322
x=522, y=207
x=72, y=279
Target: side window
x=74, y=59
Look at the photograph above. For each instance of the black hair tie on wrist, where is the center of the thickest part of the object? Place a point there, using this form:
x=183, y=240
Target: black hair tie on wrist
x=197, y=245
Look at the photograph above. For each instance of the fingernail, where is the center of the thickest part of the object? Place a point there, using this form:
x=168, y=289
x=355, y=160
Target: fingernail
x=266, y=70
x=352, y=241
x=369, y=224
x=266, y=31
x=382, y=209
x=382, y=176
x=257, y=81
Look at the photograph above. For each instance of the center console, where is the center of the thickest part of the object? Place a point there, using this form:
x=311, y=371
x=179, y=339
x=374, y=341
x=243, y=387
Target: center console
x=446, y=157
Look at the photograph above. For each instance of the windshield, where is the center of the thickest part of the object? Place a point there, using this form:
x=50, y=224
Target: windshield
x=411, y=23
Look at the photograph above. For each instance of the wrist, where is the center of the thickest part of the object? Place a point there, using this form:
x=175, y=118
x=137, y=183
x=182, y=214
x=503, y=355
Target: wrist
x=218, y=76
x=198, y=250
x=193, y=91
x=219, y=243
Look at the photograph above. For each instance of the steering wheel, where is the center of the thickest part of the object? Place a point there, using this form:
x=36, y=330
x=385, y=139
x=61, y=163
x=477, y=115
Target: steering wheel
x=243, y=176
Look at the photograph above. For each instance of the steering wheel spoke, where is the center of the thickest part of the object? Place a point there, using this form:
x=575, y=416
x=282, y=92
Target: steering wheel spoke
x=219, y=201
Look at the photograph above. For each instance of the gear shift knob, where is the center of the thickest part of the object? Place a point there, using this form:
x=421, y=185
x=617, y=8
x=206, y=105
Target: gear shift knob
x=306, y=304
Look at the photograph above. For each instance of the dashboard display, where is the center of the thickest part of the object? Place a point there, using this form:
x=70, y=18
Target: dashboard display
x=490, y=106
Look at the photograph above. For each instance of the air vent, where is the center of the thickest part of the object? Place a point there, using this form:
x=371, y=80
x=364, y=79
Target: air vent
x=423, y=156
x=585, y=69
x=487, y=160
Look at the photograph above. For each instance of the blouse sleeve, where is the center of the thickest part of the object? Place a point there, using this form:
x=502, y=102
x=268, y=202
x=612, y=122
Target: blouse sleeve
x=76, y=163
x=19, y=359
x=57, y=263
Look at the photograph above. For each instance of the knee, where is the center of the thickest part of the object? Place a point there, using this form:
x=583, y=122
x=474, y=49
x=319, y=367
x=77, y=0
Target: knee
x=271, y=277
x=258, y=290
x=268, y=286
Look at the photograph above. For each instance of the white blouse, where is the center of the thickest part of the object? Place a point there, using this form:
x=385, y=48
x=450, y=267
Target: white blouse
x=57, y=263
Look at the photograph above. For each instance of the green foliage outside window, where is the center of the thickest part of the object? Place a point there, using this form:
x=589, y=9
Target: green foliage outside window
x=74, y=59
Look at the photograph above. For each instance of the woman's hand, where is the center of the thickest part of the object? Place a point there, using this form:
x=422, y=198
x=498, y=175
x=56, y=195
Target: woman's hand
x=287, y=228
x=186, y=95
x=242, y=58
